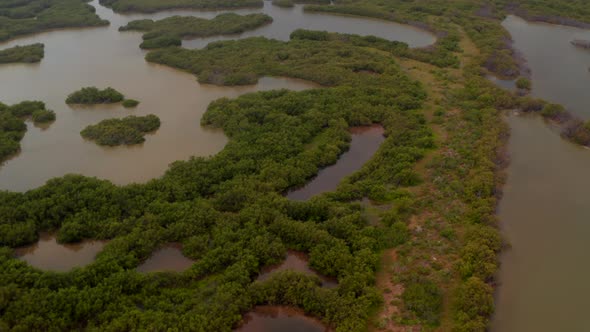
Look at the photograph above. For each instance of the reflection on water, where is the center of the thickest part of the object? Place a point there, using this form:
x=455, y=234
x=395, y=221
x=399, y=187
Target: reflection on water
x=104, y=57
x=279, y=319
x=296, y=261
x=559, y=69
x=365, y=142
x=47, y=254
x=546, y=217
x=168, y=258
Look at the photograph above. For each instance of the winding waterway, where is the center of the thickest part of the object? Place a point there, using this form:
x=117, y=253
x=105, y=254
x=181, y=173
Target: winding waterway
x=544, y=214
x=366, y=140
x=106, y=57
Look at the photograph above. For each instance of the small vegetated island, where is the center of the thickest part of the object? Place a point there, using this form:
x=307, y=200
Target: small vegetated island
x=13, y=127
x=170, y=31
x=25, y=54
x=126, y=131
x=151, y=6
x=24, y=17
x=93, y=95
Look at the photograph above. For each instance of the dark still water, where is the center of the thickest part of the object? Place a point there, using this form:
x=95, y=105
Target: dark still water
x=168, y=258
x=47, y=254
x=365, y=142
x=280, y=319
x=296, y=261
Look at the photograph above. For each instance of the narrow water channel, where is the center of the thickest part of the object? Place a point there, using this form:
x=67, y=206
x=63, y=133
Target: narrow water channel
x=366, y=140
x=103, y=57
x=49, y=255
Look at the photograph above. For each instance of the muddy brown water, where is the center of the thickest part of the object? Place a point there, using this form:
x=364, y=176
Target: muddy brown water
x=543, y=279
x=104, y=57
x=279, y=319
x=296, y=261
x=366, y=140
x=168, y=258
x=49, y=255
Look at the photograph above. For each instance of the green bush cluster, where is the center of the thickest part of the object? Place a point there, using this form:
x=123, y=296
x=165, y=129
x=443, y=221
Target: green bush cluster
x=13, y=127
x=152, y=6
x=242, y=62
x=170, y=31
x=93, y=95
x=24, y=17
x=126, y=131
x=523, y=83
x=43, y=116
x=130, y=103
x=26, y=54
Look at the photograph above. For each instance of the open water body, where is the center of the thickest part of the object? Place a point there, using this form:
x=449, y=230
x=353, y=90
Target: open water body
x=47, y=254
x=560, y=71
x=104, y=57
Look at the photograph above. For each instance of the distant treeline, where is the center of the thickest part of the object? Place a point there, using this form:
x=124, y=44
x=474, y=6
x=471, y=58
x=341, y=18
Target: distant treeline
x=151, y=6
x=27, y=54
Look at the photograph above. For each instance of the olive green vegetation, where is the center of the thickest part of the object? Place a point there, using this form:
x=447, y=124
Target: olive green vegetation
x=523, y=83
x=13, y=127
x=229, y=212
x=242, y=62
x=27, y=54
x=574, y=13
x=93, y=95
x=43, y=116
x=126, y=131
x=24, y=17
x=440, y=56
x=170, y=31
x=152, y=6
x=130, y=103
